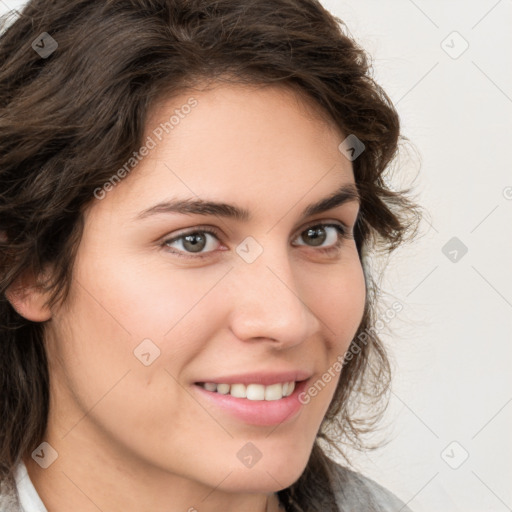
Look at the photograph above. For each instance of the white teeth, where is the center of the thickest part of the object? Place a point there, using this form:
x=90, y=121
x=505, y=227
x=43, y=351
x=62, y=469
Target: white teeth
x=223, y=389
x=238, y=390
x=274, y=392
x=253, y=391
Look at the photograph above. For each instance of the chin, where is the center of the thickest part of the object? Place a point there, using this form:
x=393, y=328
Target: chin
x=273, y=476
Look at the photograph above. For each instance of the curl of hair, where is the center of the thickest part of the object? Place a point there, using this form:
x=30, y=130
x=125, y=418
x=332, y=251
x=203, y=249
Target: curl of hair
x=69, y=121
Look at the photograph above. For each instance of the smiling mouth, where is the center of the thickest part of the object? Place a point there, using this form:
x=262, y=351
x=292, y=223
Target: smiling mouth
x=251, y=391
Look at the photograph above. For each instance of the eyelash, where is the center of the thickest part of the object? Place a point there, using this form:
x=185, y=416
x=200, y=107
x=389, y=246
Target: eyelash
x=342, y=232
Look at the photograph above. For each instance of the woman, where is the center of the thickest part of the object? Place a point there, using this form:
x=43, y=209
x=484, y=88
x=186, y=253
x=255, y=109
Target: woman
x=187, y=191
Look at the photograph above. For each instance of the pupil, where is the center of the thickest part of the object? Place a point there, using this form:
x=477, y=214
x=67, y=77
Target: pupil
x=192, y=239
x=313, y=235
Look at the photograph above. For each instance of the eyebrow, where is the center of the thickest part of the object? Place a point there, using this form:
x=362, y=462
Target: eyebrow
x=346, y=193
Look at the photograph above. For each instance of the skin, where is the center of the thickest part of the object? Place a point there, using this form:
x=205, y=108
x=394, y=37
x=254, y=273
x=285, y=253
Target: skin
x=131, y=437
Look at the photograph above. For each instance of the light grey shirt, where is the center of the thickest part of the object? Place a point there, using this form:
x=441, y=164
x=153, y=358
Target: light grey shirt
x=354, y=493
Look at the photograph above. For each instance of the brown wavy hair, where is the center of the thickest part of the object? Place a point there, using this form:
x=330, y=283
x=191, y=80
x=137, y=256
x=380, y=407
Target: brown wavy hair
x=70, y=120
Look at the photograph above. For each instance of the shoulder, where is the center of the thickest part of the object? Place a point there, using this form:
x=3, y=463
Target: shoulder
x=353, y=490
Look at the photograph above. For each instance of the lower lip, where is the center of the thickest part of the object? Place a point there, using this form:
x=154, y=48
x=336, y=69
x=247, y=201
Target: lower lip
x=257, y=412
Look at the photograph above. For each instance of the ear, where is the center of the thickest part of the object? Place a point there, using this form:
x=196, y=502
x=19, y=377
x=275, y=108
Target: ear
x=28, y=299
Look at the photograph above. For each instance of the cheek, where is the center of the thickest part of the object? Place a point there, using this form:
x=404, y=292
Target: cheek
x=147, y=298
x=119, y=311
x=93, y=344
x=338, y=298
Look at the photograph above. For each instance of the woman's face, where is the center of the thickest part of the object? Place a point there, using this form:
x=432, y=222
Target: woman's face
x=151, y=314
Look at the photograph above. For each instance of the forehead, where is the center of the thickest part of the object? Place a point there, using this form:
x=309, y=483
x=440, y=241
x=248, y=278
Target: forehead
x=251, y=145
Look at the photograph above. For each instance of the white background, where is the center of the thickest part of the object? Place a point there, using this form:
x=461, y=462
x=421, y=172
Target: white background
x=451, y=345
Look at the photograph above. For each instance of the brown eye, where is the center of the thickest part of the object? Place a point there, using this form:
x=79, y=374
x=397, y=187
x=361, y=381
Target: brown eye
x=193, y=242
x=317, y=235
x=201, y=242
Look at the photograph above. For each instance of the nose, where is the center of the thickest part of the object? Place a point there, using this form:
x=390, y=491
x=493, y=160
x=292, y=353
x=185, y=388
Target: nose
x=268, y=302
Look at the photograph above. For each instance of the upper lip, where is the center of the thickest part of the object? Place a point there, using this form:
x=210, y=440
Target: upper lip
x=264, y=378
